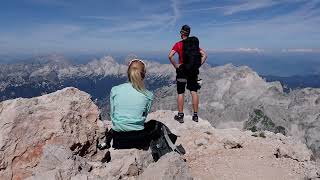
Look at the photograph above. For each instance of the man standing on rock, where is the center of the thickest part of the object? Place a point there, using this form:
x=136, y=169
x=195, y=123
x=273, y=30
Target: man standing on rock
x=191, y=57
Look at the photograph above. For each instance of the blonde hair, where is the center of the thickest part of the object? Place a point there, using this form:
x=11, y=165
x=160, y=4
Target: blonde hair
x=136, y=73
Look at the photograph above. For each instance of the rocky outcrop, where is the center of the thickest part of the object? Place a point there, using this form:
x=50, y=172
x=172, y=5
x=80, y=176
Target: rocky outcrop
x=237, y=97
x=234, y=154
x=54, y=137
x=170, y=166
x=39, y=134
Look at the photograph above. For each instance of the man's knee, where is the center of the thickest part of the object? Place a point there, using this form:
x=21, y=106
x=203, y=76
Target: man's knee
x=194, y=93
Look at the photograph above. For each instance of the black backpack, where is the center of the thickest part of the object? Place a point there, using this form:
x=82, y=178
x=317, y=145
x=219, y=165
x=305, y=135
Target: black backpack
x=191, y=55
x=164, y=142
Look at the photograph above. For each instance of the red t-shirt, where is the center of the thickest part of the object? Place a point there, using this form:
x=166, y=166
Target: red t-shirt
x=178, y=47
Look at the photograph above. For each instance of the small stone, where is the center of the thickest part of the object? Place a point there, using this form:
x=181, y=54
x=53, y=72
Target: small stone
x=201, y=142
x=228, y=144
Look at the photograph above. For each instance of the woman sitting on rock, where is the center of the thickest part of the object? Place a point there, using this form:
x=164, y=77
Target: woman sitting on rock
x=130, y=104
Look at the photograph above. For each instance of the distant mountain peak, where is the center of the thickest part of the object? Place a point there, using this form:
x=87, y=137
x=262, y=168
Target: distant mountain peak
x=129, y=57
x=51, y=58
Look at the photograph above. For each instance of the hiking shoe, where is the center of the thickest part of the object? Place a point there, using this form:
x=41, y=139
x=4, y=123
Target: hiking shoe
x=195, y=118
x=179, y=118
x=103, y=146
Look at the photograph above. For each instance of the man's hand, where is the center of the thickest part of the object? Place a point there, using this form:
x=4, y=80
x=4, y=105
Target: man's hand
x=177, y=66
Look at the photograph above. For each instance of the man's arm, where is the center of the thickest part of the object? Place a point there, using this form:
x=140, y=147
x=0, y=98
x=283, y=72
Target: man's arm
x=171, y=57
x=203, y=56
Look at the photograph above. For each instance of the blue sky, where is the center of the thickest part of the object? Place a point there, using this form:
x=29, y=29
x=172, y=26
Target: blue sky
x=146, y=25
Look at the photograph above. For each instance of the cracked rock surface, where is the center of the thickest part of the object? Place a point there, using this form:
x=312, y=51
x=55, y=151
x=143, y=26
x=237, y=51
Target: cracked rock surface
x=54, y=136
x=237, y=97
x=234, y=154
x=42, y=133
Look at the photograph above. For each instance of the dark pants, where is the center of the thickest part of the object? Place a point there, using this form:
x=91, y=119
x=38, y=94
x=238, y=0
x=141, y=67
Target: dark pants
x=135, y=139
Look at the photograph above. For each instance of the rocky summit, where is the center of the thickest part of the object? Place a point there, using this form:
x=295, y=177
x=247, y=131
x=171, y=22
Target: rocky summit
x=230, y=97
x=237, y=97
x=54, y=137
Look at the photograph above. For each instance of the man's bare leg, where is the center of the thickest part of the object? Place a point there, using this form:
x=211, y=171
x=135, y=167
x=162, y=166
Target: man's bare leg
x=195, y=101
x=180, y=102
x=195, y=104
x=180, y=115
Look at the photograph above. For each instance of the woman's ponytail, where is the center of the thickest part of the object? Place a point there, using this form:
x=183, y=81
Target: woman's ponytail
x=136, y=74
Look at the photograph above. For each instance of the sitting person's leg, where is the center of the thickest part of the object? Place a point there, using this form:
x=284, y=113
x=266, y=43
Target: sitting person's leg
x=108, y=139
x=130, y=139
x=109, y=136
x=137, y=139
x=133, y=139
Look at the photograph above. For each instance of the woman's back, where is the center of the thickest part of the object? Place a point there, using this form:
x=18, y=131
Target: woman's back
x=129, y=107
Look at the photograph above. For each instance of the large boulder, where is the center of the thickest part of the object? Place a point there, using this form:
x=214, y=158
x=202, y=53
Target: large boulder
x=42, y=132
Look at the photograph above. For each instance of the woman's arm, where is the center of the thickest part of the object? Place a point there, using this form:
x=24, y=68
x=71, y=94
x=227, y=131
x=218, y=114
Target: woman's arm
x=111, y=104
x=149, y=105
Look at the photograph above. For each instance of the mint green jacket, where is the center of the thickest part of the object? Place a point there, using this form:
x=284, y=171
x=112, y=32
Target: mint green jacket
x=129, y=107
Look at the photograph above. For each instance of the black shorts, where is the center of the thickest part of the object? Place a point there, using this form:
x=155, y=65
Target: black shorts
x=189, y=79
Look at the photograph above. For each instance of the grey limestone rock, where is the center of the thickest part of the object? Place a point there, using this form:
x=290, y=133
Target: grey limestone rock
x=54, y=137
x=170, y=166
x=237, y=97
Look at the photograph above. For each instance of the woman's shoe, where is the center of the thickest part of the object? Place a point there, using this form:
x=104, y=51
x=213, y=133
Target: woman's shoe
x=103, y=146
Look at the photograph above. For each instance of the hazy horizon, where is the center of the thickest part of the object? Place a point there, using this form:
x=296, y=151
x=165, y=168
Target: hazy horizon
x=276, y=63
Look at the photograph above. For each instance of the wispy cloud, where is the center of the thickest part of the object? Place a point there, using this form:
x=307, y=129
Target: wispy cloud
x=225, y=25
x=157, y=22
x=249, y=5
x=134, y=26
x=300, y=18
x=245, y=50
x=176, y=11
x=221, y=8
x=296, y=29
x=125, y=24
x=105, y=18
x=242, y=6
x=49, y=2
x=301, y=50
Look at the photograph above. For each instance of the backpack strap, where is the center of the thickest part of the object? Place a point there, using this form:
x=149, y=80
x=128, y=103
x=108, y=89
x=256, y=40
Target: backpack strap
x=181, y=80
x=170, y=143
